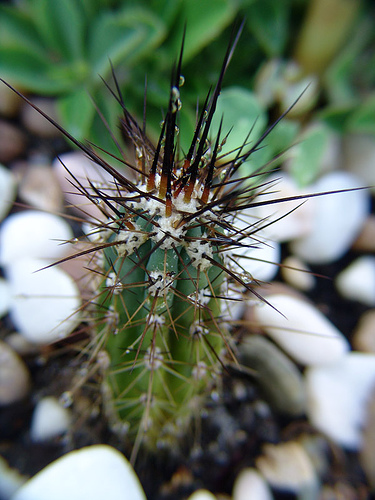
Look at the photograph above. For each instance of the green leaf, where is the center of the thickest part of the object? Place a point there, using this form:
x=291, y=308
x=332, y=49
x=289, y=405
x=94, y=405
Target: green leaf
x=204, y=20
x=62, y=26
x=31, y=71
x=268, y=21
x=307, y=155
x=17, y=30
x=241, y=114
x=363, y=119
x=124, y=36
x=76, y=112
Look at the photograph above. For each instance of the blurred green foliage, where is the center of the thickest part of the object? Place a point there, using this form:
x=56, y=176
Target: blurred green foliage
x=63, y=48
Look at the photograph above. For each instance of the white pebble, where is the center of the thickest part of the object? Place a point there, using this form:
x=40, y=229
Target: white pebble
x=301, y=330
x=14, y=376
x=359, y=157
x=45, y=302
x=249, y=484
x=337, y=219
x=357, y=281
x=78, y=165
x=297, y=274
x=7, y=191
x=95, y=472
x=202, y=495
x=50, y=419
x=261, y=262
x=288, y=221
x=287, y=467
x=5, y=297
x=33, y=234
x=338, y=395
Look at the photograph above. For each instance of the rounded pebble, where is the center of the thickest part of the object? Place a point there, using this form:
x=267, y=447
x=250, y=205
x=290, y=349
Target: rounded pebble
x=50, y=419
x=338, y=395
x=261, y=261
x=35, y=122
x=5, y=297
x=301, y=330
x=12, y=142
x=297, y=274
x=40, y=188
x=249, y=484
x=359, y=157
x=367, y=452
x=76, y=164
x=33, y=234
x=45, y=301
x=364, y=333
x=95, y=472
x=366, y=239
x=7, y=191
x=357, y=281
x=337, y=219
x=287, y=467
x=279, y=379
x=14, y=376
x=284, y=221
x=202, y=495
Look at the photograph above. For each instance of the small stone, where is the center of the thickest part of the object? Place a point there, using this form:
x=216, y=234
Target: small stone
x=357, y=281
x=20, y=345
x=366, y=239
x=10, y=102
x=10, y=480
x=287, y=467
x=46, y=303
x=35, y=122
x=33, y=234
x=7, y=191
x=283, y=221
x=337, y=219
x=261, y=261
x=358, y=153
x=50, y=419
x=202, y=495
x=279, y=379
x=77, y=165
x=250, y=485
x=367, y=452
x=14, y=376
x=364, y=334
x=338, y=395
x=40, y=189
x=12, y=142
x=297, y=274
x=95, y=472
x=300, y=329
x=5, y=297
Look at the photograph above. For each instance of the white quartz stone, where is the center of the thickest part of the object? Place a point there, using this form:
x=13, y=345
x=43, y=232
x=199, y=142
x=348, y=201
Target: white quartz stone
x=301, y=330
x=95, y=472
x=33, y=234
x=337, y=219
x=357, y=281
x=44, y=301
x=202, y=495
x=14, y=376
x=250, y=484
x=338, y=394
x=50, y=419
x=5, y=297
x=7, y=190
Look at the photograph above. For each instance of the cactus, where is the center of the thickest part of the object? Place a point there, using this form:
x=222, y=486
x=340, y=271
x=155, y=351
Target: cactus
x=164, y=259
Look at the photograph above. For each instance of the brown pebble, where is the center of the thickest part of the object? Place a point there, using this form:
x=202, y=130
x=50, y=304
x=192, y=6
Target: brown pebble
x=366, y=239
x=40, y=188
x=367, y=453
x=10, y=102
x=35, y=122
x=364, y=334
x=12, y=142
